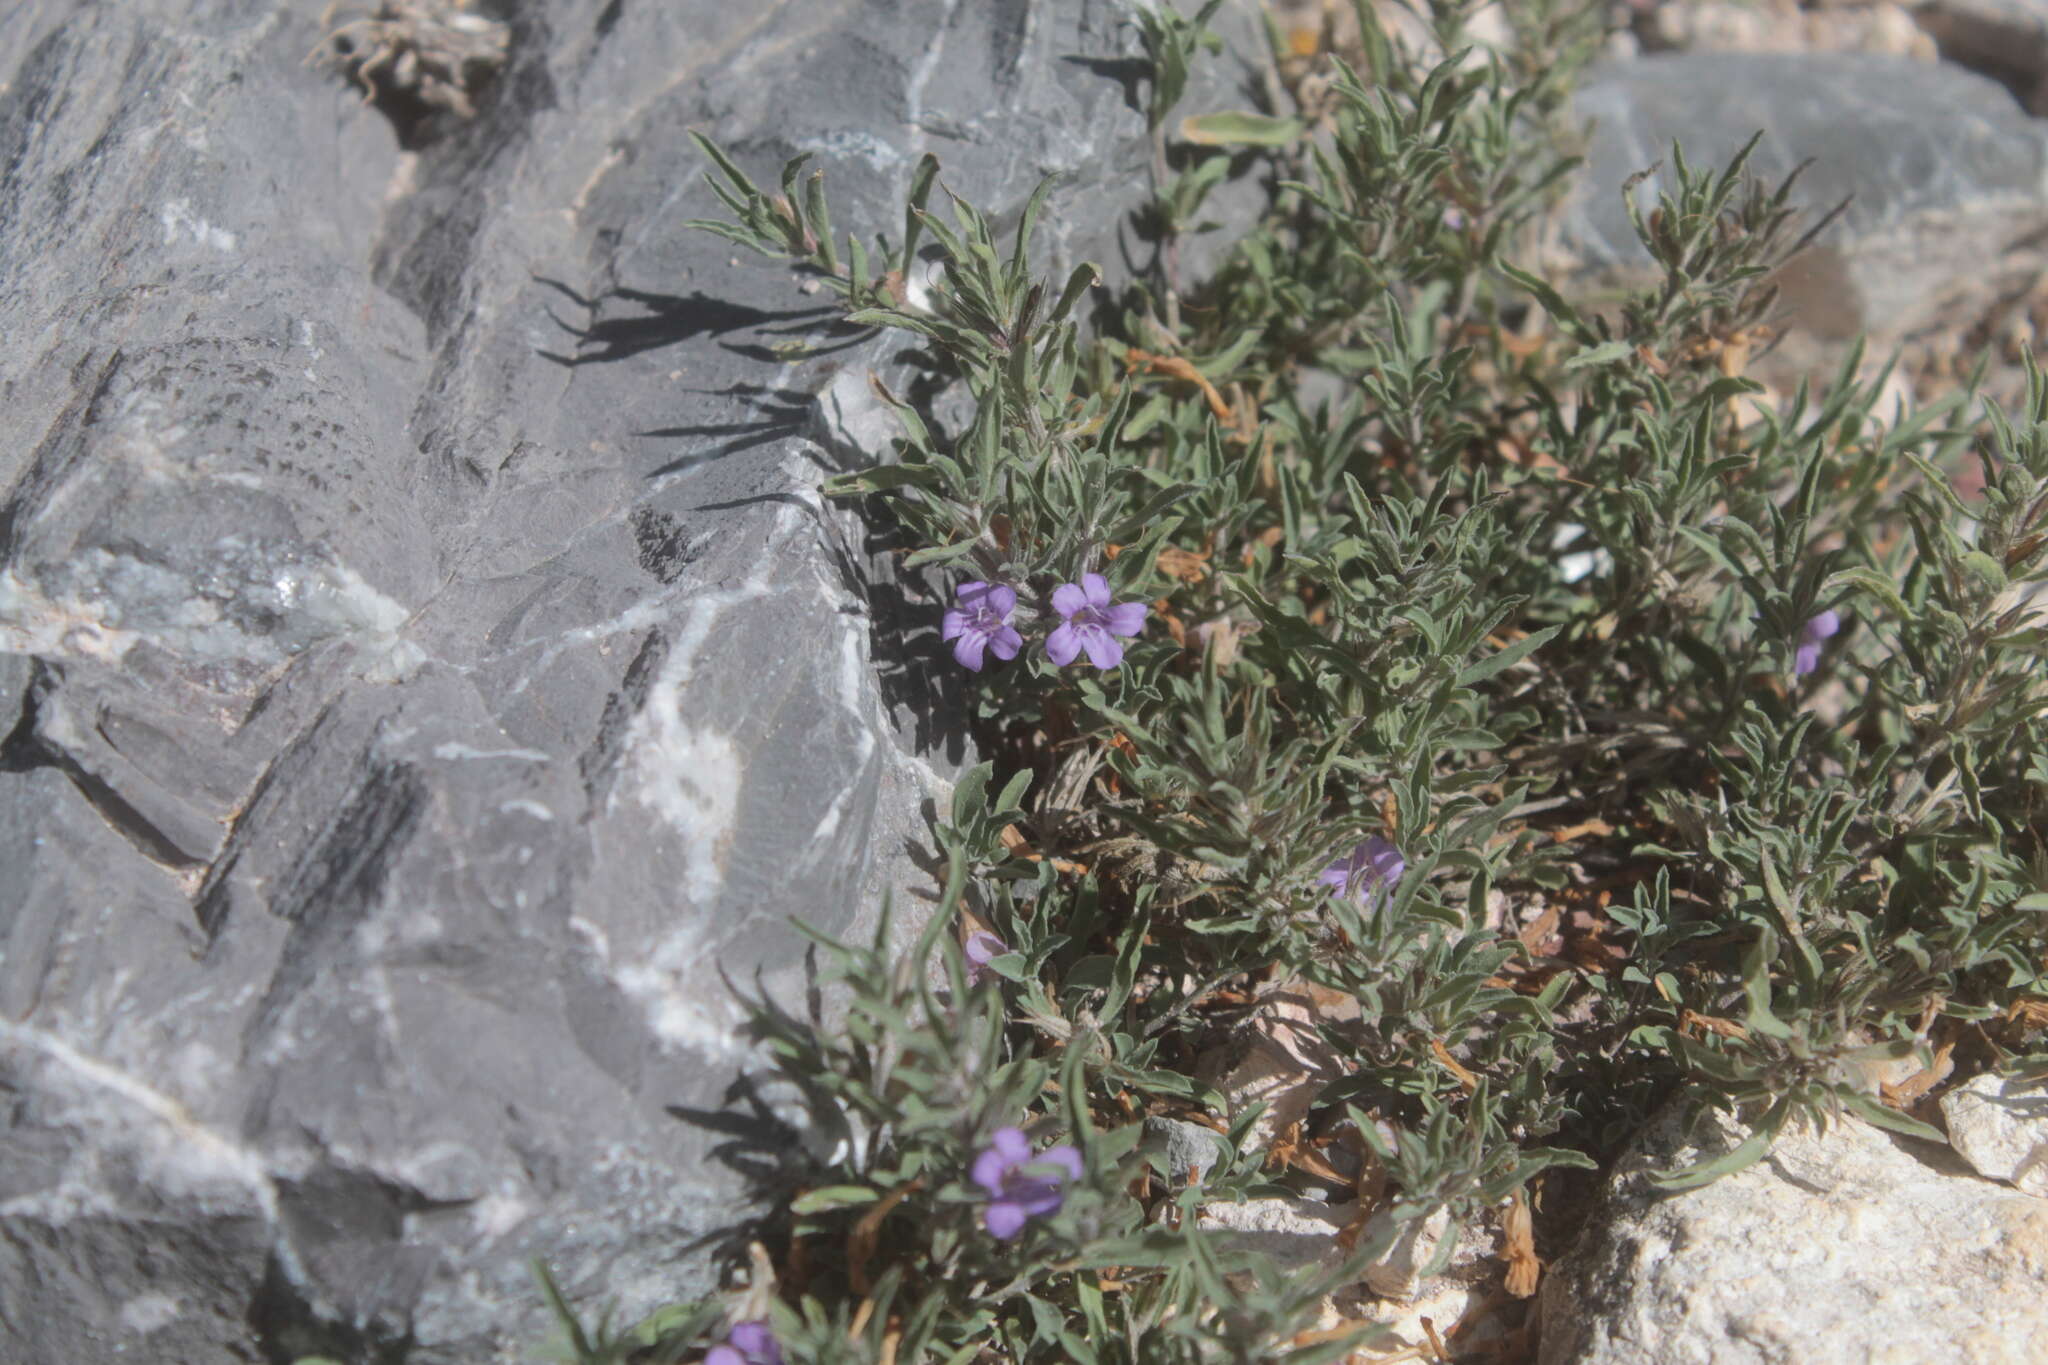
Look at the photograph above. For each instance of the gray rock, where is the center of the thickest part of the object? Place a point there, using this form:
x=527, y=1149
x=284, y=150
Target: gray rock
x=1947, y=178
x=1853, y=1245
x=2005, y=39
x=2000, y=1126
x=425, y=657
x=1186, y=1147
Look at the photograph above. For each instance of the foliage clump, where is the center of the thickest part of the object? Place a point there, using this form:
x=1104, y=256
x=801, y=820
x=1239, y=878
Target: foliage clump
x=1592, y=732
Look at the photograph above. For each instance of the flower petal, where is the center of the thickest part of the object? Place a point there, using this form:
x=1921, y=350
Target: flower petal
x=1006, y=642
x=1011, y=1142
x=1068, y=598
x=1805, y=659
x=724, y=1355
x=1097, y=589
x=1381, y=859
x=753, y=1337
x=1065, y=1156
x=1063, y=646
x=967, y=650
x=1103, y=650
x=1125, y=618
x=989, y=1169
x=1035, y=1197
x=1821, y=627
x=970, y=593
x=1003, y=1219
x=952, y=623
x=1002, y=599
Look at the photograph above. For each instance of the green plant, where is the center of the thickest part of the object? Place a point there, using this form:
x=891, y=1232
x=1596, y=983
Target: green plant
x=1694, y=742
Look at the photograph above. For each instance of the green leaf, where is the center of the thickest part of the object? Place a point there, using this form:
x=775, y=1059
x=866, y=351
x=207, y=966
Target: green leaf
x=1745, y=1153
x=1239, y=128
x=1085, y=277
x=1606, y=353
x=940, y=554
x=1507, y=658
x=1876, y=1112
x=1553, y=303
x=834, y=1197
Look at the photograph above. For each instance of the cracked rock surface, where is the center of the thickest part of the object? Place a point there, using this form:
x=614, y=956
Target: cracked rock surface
x=1845, y=1245
x=425, y=660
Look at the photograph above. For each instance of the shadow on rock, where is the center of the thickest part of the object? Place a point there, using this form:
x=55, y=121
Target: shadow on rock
x=667, y=320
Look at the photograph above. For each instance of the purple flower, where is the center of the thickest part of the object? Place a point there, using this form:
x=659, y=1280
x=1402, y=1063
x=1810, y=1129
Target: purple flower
x=982, y=948
x=748, y=1343
x=1090, y=622
x=1019, y=1185
x=982, y=622
x=1370, y=870
x=1806, y=658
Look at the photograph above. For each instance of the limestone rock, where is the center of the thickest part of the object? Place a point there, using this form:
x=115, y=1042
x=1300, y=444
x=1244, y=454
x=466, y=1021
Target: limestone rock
x=425, y=659
x=1783, y=26
x=2000, y=1127
x=1947, y=180
x=1852, y=1245
x=1398, y=1274
x=1299, y=1234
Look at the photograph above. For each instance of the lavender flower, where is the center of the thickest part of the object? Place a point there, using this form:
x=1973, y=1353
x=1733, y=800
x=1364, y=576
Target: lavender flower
x=982, y=622
x=748, y=1343
x=1370, y=871
x=982, y=948
x=1806, y=658
x=1090, y=623
x=1019, y=1186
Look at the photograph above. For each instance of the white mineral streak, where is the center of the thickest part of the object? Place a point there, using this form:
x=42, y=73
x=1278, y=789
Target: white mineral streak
x=652, y=611
x=108, y=603
x=851, y=680
x=338, y=601
x=919, y=278
x=691, y=776
x=920, y=76
x=464, y=753
x=32, y=623
x=142, y=436
x=177, y=217
x=172, y=1150
x=702, y=1023
x=145, y=1313
x=312, y=350
x=522, y=806
x=846, y=144
x=494, y=1215
x=847, y=616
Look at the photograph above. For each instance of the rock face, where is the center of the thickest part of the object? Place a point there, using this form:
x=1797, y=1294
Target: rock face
x=1848, y=1246
x=1947, y=177
x=2004, y=39
x=2000, y=1126
x=426, y=657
